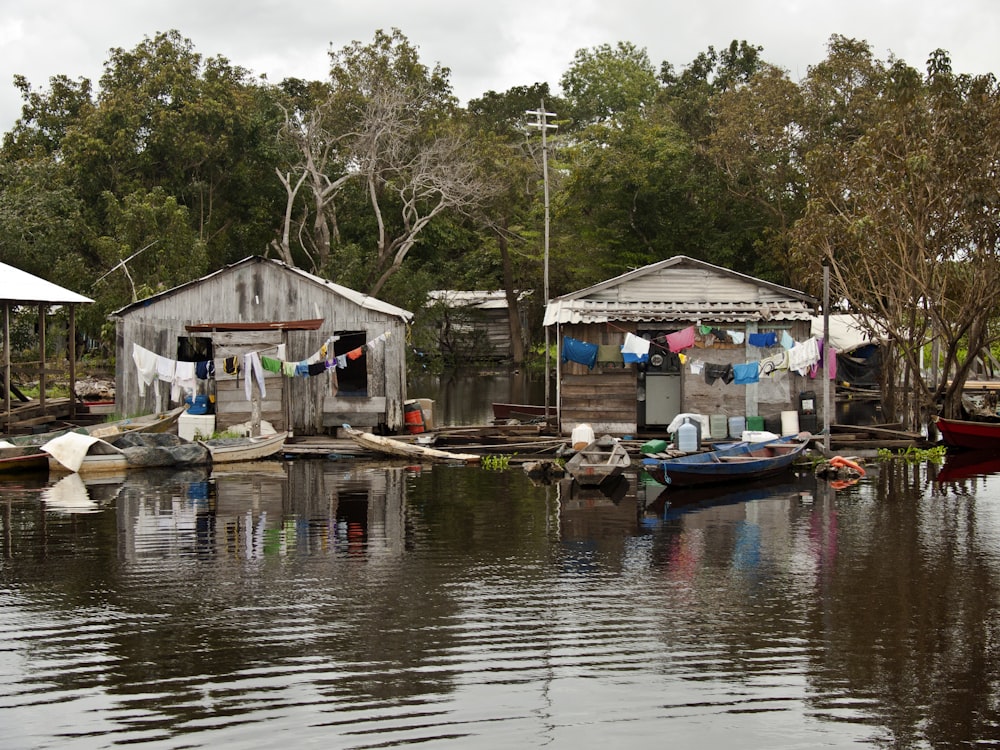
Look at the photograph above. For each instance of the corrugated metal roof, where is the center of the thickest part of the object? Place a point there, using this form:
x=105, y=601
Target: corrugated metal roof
x=681, y=290
x=365, y=301
x=18, y=286
x=484, y=300
x=565, y=311
x=683, y=261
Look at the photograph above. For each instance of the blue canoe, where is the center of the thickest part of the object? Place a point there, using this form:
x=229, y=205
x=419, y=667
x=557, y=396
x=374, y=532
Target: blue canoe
x=738, y=462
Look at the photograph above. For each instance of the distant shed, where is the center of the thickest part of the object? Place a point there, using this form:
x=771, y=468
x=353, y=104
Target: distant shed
x=660, y=300
x=263, y=306
x=478, y=322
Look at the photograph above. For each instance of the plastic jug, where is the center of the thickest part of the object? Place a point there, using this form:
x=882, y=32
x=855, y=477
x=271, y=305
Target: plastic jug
x=688, y=436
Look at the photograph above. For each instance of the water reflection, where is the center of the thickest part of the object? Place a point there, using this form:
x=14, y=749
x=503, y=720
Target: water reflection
x=381, y=605
x=465, y=399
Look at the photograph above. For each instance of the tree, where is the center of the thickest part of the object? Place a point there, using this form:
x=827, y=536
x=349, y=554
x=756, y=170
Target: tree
x=386, y=133
x=757, y=145
x=510, y=163
x=605, y=82
x=905, y=208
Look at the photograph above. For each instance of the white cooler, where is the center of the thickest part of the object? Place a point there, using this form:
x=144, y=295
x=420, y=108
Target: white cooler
x=189, y=425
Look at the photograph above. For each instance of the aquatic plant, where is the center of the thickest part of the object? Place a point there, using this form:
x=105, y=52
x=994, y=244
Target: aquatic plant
x=914, y=454
x=496, y=463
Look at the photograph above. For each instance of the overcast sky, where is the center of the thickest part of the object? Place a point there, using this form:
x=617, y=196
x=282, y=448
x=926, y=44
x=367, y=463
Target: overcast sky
x=487, y=45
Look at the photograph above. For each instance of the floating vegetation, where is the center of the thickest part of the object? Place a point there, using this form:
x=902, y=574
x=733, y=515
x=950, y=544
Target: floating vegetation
x=915, y=455
x=496, y=463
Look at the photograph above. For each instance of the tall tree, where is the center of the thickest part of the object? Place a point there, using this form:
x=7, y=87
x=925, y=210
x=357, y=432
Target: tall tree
x=605, y=81
x=757, y=145
x=509, y=161
x=905, y=208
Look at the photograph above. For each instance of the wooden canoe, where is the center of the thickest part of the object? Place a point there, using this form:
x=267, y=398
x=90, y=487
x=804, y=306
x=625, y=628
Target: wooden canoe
x=157, y=422
x=18, y=459
x=739, y=462
x=231, y=450
x=601, y=460
x=390, y=447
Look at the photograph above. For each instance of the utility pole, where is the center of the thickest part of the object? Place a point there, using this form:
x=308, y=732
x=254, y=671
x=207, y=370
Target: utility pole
x=543, y=124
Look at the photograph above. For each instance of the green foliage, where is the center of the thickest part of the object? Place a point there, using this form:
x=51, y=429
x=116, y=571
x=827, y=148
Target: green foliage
x=913, y=454
x=496, y=462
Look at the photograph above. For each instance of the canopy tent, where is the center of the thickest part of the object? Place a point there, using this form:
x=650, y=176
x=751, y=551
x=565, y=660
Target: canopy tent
x=20, y=288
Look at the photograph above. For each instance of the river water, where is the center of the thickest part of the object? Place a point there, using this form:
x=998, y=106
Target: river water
x=345, y=604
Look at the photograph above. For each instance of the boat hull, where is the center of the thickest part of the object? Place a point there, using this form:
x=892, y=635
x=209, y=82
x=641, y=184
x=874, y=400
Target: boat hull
x=600, y=461
x=969, y=435
x=20, y=460
x=390, y=447
x=740, y=462
x=233, y=450
x=521, y=411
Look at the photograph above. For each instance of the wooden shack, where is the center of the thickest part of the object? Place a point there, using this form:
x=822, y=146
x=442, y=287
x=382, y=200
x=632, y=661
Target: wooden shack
x=265, y=308
x=476, y=324
x=669, y=299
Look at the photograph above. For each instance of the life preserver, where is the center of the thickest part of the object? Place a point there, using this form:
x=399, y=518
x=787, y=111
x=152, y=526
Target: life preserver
x=841, y=462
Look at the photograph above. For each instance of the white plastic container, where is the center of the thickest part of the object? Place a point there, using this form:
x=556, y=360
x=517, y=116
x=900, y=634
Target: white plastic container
x=688, y=436
x=582, y=436
x=190, y=425
x=789, y=423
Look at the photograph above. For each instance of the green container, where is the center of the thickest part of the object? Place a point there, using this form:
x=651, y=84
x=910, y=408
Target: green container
x=654, y=446
x=755, y=424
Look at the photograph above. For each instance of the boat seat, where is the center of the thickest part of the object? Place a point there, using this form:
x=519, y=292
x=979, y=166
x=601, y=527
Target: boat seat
x=738, y=459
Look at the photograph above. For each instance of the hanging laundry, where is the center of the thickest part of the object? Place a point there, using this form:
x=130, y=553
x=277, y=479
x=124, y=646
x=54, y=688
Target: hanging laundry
x=579, y=351
x=231, y=365
x=763, y=340
x=185, y=380
x=804, y=355
x=717, y=372
x=774, y=363
x=635, y=349
x=252, y=369
x=271, y=364
x=697, y=365
x=204, y=370
x=737, y=337
x=681, y=339
x=744, y=374
x=145, y=363
x=355, y=353
x=316, y=368
x=787, y=342
x=301, y=369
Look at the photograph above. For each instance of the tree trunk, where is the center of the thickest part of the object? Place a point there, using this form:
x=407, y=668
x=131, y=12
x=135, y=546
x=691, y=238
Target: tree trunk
x=513, y=309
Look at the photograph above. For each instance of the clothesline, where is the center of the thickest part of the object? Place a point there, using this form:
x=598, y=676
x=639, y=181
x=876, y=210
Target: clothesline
x=801, y=357
x=183, y=376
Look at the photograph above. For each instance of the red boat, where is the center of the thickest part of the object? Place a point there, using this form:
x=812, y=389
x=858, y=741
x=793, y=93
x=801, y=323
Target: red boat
x=965, y=434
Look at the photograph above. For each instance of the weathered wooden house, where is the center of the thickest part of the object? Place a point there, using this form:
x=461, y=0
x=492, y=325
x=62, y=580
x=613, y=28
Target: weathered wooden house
x=669, y=298
x=266, y=308
x=476, y=324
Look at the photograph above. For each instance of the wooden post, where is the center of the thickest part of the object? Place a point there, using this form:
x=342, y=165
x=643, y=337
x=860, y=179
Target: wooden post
x=41, y=357
x=71, y=352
